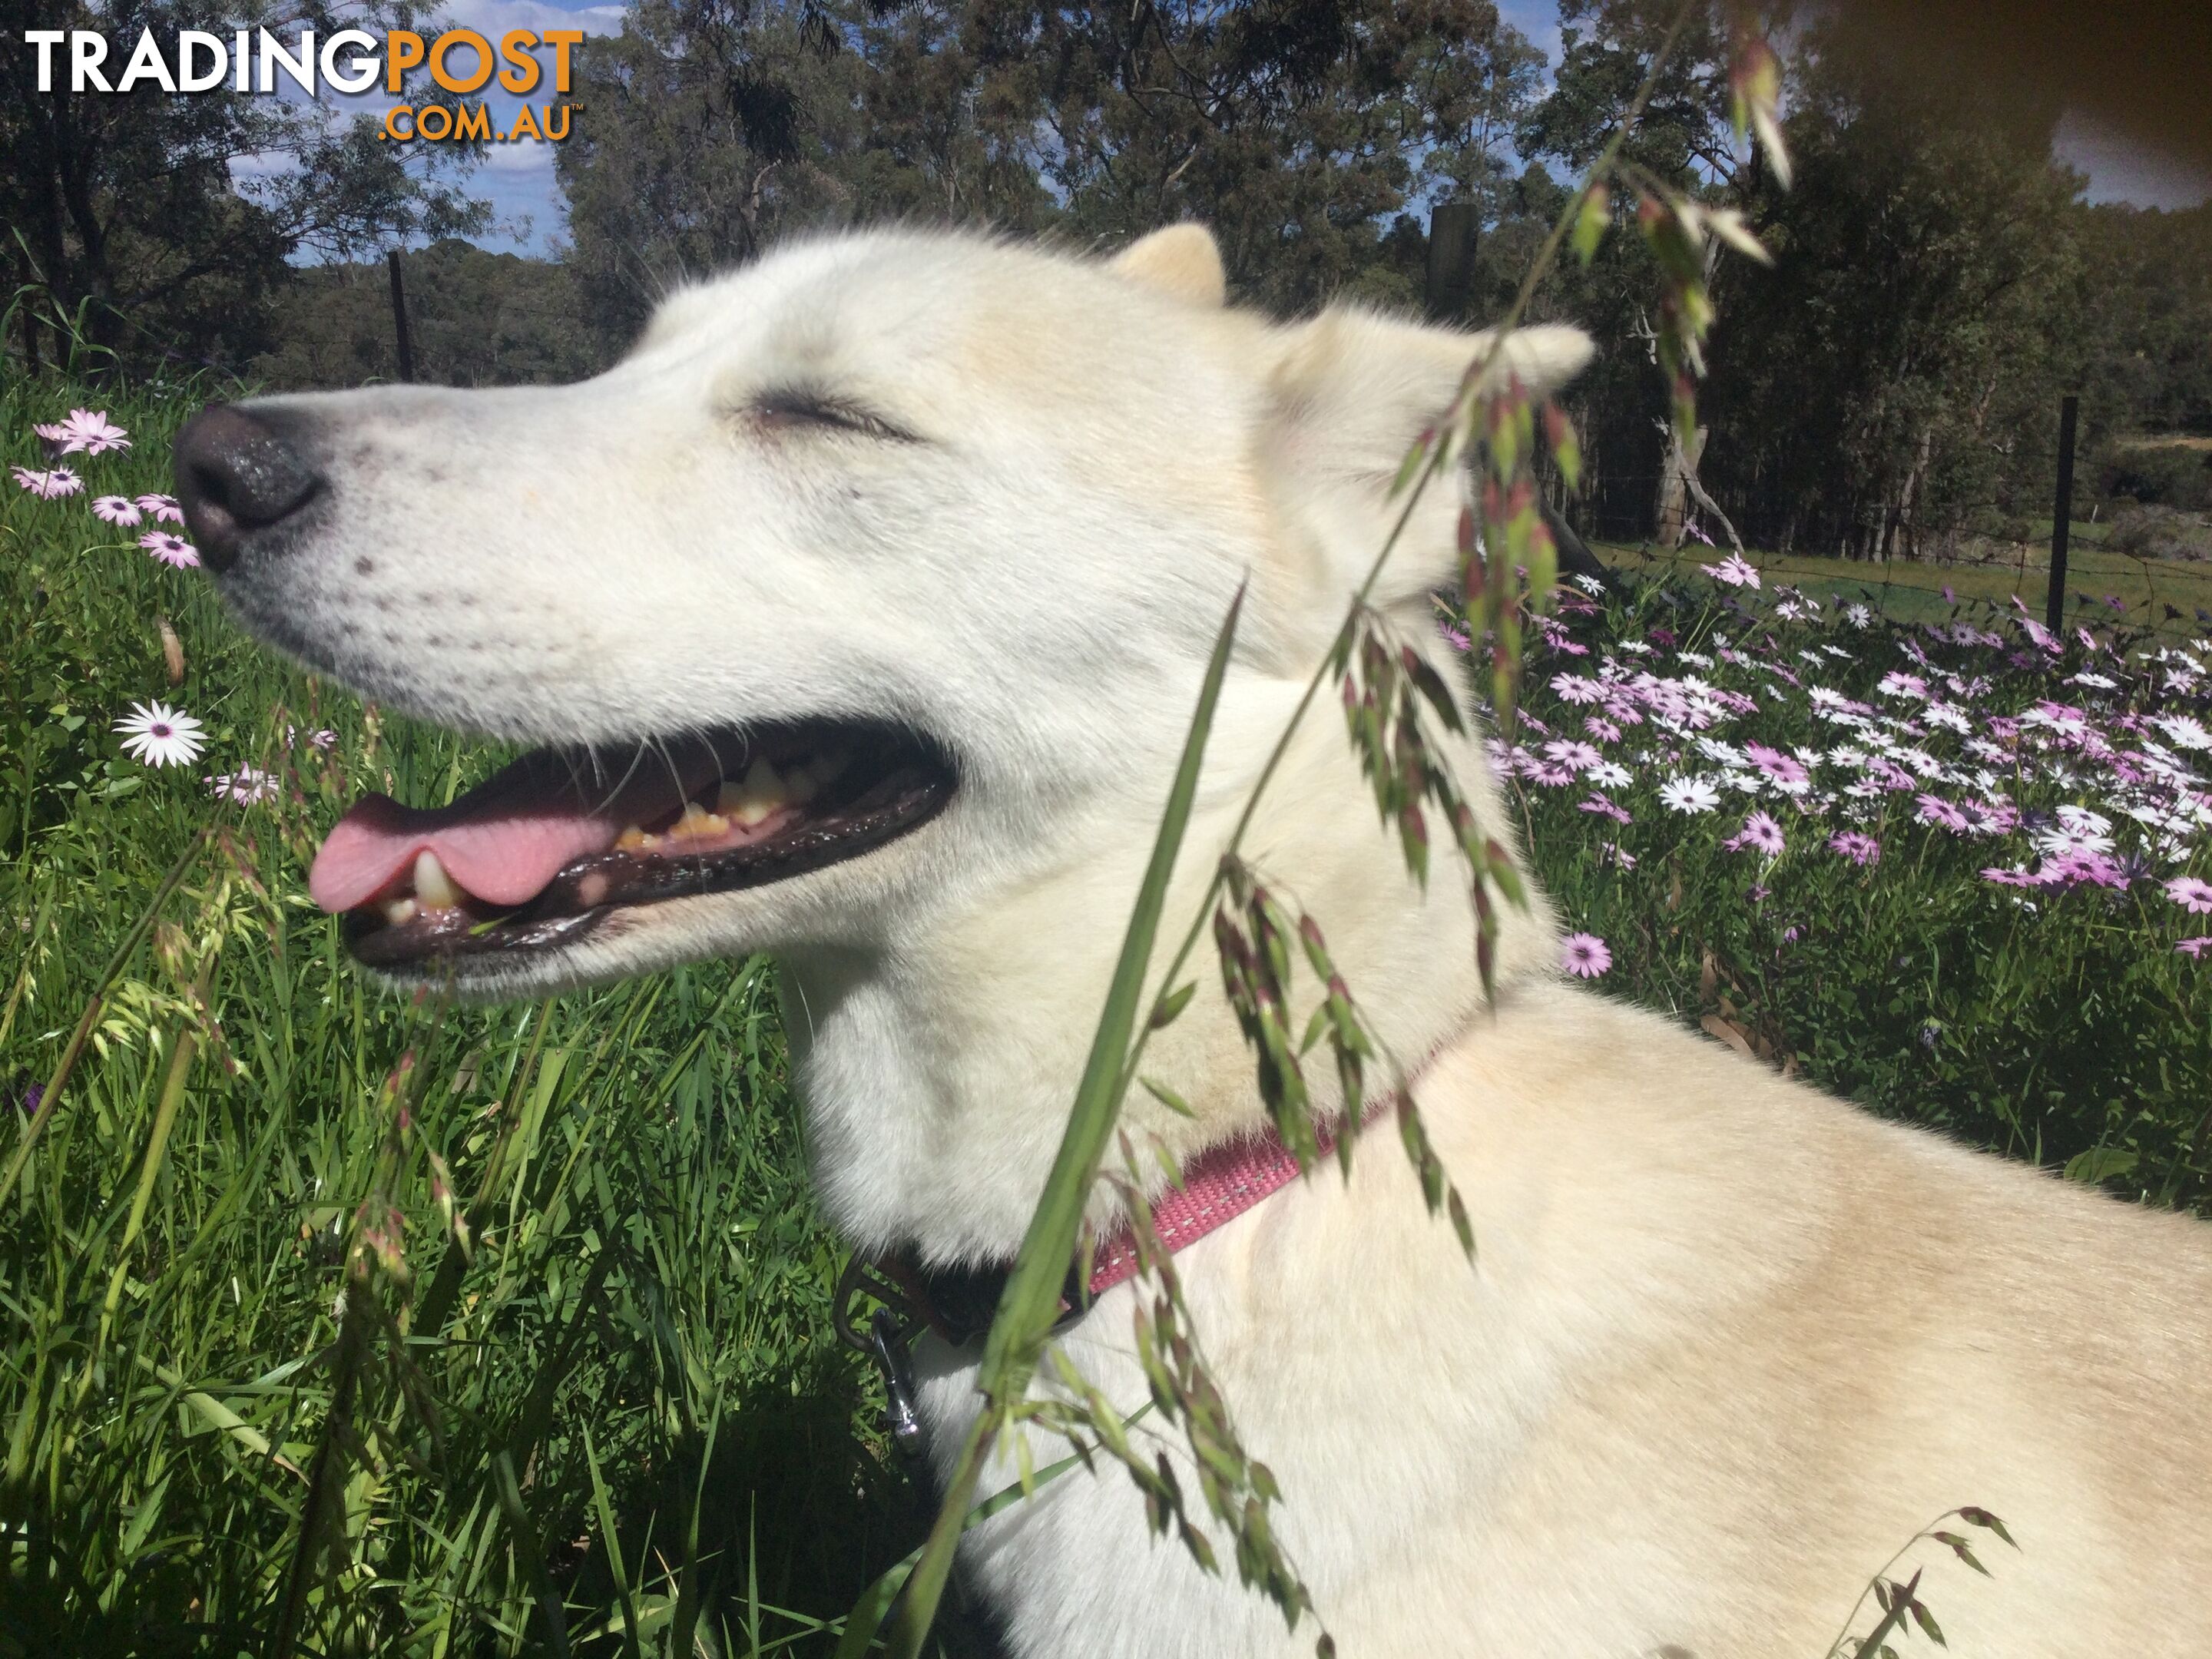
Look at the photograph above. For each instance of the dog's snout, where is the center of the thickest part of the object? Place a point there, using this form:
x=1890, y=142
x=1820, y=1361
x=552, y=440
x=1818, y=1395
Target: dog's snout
x=238, y=471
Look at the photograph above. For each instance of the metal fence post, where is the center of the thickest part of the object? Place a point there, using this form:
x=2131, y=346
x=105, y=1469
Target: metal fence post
x=1449, y=279
x=2054, y=615
x=399, y=317
x=1448, y=284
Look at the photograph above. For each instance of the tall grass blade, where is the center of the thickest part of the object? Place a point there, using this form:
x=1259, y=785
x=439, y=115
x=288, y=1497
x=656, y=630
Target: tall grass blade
x=1030, y=1302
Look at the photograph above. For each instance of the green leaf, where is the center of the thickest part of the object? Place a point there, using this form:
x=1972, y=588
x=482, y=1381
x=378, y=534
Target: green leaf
x=523, y=1537
x=1171, y=1005
x=1981, y=1517
x=1592, y=220
x=2100, y=1163
x=1167, y=1098
x=1926, y=1620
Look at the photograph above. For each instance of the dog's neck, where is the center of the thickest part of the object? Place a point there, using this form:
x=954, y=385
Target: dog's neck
x=938, y=1076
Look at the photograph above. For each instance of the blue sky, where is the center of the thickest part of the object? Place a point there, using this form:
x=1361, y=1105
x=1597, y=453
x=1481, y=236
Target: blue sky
x=518, y=180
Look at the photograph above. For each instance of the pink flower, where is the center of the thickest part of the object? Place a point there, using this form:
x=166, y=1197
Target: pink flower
x=1760, y=833
x=2080, y=864
x=116, y=509
x=1576, y=757
x=86, y=429
x=1733, y=570
x=1860, y=850
x=47, y=486
x=2192, y=893
x=2195, y=948
x=1585, y=955
x=1578, y=688
x=1599, y=802
x=172, y=550
x=1934, y=809
x=1603, y=729
x=1789, y=773
x=163, y=508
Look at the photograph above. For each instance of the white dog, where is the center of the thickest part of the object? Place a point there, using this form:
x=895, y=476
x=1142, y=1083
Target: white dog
x=904, y=553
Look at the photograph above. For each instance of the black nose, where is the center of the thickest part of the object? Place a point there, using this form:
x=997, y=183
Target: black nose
x=239, y=471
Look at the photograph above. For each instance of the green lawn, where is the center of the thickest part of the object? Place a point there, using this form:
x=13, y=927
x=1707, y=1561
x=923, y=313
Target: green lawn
x=1912, y=589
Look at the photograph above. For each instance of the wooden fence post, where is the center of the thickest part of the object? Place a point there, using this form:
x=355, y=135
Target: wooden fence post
x=2054, y=615
x=399, y=317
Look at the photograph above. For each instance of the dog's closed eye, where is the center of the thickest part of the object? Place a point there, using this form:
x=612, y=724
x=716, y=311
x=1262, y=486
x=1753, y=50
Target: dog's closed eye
x=793, y=408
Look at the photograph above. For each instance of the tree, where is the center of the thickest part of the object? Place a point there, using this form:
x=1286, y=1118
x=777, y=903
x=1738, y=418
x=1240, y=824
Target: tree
x=1925, y=260
x=1299, y=130
x=1303, y=131
x=476, y=318
x=718, y=125
x=160, y=223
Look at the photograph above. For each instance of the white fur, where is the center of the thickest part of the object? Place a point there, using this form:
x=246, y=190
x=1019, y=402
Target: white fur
x=1728, y=1343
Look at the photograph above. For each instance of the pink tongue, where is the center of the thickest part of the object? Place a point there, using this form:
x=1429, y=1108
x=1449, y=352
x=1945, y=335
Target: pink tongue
x=505, y=838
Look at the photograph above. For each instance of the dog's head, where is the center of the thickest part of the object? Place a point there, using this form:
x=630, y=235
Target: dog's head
x=874, y=573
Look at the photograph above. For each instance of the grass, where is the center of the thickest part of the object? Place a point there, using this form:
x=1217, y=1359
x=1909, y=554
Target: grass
x=616, y=1421
x=1912, y=591
x=640, y=1335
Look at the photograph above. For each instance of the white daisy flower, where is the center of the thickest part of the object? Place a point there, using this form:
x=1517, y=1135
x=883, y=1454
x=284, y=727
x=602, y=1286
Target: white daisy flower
x=1690, y=795
x=159, y=735
x=245, y=785
x=2184, y=730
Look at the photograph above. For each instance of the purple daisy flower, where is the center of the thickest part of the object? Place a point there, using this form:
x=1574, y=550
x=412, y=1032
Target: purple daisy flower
x=1585, y=955
x=172, y=550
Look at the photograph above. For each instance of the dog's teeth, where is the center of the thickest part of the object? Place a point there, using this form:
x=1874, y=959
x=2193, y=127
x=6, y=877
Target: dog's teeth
x=751, y=800
x=398, y=911
x=433, y=888
x=631, y=840
x=698, y=821
x=799, y=784
x=828, y=765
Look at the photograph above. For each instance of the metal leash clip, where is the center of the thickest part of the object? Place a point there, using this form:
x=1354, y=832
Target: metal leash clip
x=885, y=1339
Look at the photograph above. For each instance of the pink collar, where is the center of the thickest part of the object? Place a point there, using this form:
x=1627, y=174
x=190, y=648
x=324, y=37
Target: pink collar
x=1218, y=1185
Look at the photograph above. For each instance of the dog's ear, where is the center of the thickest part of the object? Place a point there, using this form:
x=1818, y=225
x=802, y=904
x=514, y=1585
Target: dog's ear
x=1181, y=260
x=1350, y=393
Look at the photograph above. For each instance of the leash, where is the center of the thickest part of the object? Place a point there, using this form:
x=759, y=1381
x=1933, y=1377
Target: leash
x=957, y=1303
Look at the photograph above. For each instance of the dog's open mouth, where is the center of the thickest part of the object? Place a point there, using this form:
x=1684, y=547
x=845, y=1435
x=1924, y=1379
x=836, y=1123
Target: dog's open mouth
x=535, y=857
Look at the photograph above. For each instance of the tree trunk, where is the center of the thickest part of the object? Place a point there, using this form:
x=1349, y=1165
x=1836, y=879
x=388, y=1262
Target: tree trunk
x=1671, y=511
x=1679, y=485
